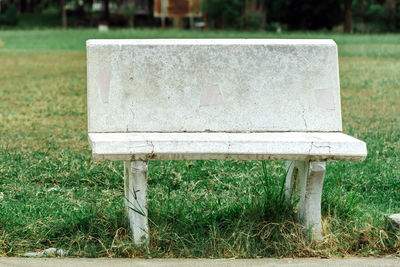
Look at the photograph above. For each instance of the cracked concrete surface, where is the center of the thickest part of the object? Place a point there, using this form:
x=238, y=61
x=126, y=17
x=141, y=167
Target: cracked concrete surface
x=215, y=85
x=244, y=146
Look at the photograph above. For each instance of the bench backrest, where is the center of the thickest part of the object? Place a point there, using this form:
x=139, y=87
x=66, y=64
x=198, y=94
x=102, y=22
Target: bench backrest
x=217, y=85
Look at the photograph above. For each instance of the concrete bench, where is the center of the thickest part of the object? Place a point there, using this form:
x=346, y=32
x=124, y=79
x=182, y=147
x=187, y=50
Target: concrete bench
x=203, y=99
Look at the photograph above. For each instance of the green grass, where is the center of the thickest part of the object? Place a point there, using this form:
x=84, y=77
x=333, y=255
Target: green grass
x=54, y=195
x=378, y=45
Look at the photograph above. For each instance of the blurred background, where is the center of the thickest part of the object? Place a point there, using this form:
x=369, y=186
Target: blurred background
x=358, y=16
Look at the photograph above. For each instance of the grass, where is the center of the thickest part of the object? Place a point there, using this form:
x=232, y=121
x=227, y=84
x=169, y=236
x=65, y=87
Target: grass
x=54, y=195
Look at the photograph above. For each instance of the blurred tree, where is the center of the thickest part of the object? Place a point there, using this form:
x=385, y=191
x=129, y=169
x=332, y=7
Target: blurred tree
x=357, y=15
x=10, y=16
x=347, y=16
x=391, y=18
x=129, y=11
x=79, y=12
x=64, y=22
x=225, y=13
x=377, y=15
x=255, y=14
x=307, y=14
x=106, y=11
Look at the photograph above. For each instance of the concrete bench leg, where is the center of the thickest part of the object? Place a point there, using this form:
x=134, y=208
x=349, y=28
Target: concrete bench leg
x=136, y=199
x=304, y=182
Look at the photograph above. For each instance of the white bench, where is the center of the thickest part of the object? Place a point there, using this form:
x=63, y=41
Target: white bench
x=246, y=99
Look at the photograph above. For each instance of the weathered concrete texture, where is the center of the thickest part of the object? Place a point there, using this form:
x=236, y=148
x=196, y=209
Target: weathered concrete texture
x=394, y=219
x=246, y=99
x=244, y=146
x=365, y=262
x=196, y=85
x=136, y=199
x=304, y=183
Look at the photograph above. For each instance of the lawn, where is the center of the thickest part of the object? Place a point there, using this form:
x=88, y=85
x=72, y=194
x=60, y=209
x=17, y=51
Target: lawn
x=53, y=195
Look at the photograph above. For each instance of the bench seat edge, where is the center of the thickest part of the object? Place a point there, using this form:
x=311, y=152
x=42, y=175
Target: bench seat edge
x=315, y=146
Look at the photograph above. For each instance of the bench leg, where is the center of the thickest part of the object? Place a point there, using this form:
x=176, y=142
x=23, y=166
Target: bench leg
x=304, y=182
x=136, y=199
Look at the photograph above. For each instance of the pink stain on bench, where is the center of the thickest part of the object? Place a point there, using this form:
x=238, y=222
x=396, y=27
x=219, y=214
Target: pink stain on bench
x=211, y=96
x=324, y=98
x=103, y=82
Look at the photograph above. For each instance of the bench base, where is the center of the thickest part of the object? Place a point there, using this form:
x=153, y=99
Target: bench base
x=306, y=152
x=304, y=183
x=221, y=146
x=135, y=187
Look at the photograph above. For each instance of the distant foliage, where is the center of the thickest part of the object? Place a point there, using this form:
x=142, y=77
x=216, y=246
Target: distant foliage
x=10, y=16
x=377, y=16
x=225, y=13
x=367, y=15
x=306, y=14
x=254, y=20
x=270, y=15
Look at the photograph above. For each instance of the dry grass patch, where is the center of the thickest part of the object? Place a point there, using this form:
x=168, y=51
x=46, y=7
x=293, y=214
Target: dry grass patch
x=43, y=100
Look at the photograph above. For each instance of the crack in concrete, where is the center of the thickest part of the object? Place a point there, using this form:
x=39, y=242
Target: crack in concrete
x=313, y=145
x=303, y=116
x=152, y=155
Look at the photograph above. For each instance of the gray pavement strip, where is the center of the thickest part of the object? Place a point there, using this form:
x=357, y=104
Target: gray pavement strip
x=102, y=262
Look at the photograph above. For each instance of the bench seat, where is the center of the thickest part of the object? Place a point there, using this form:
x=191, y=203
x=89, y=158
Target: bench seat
x=314, y=146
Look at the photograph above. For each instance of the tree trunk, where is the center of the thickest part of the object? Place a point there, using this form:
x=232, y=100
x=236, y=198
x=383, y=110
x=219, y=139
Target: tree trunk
x=129, y=13
x=178, y=22
x=347, y=16
x=63, y=14
x=391, y=4
x=205, y=16
x=28, y=6
x=18, y=5
x=254, y=5
x=106, y=14
x=263, y=10
x=246, y=13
